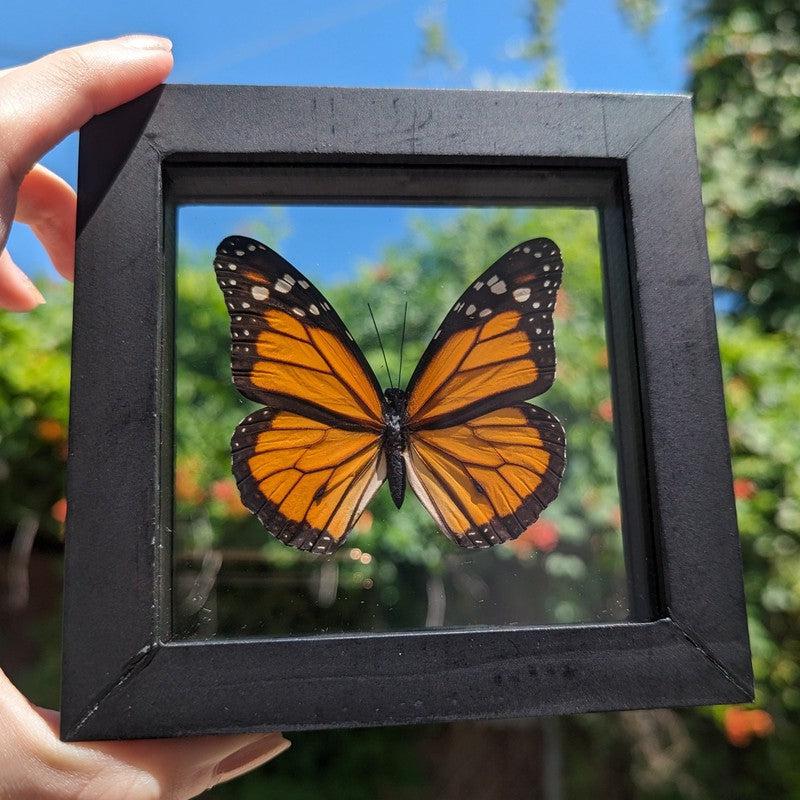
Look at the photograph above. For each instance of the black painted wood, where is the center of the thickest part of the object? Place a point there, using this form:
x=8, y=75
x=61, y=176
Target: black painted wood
x=633, y=158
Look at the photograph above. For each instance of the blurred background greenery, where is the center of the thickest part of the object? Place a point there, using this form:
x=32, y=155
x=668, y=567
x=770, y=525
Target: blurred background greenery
x=745, y=75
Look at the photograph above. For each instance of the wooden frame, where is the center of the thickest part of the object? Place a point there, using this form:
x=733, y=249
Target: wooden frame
x=633, y=158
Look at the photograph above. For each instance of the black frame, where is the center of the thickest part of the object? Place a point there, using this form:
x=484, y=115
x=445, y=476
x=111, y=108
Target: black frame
x=631, y=156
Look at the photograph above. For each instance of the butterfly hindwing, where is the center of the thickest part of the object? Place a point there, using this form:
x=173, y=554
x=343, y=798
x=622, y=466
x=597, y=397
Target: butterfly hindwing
x=495, y=346
x=305, y=480
x=486, y=480
x=289, y=348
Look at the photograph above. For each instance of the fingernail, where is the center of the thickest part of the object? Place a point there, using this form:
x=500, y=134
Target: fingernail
x=141, y=41
x=31, y=287
x=252, y=755
x=38, y=296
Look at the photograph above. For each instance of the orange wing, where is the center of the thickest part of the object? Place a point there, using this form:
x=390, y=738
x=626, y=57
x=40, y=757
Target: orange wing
x=485, y=481
x=308, y=464
x=289, y=348
x=306, y=481
x=495, y=346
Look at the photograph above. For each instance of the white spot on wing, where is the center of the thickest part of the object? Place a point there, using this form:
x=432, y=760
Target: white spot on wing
x=485, y=312
x=282, y=286
x=260, y=292
x=522, y=294
x=299, y=312
x=312, y=308
x=478, y=285
x=470, y=310
x=499, y=287
x=304, y=284
x=492, y=280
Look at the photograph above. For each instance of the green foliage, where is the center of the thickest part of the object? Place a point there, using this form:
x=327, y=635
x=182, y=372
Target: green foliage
x=763, y=396
x=34, y=396
x=641, y=15
x=434, y=43
x=746, y=84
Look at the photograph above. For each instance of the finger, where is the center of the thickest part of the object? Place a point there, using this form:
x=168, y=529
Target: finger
x=17, y=292
x=185, y=768
x=41, y=102
x=176, y=768
x=48, y=204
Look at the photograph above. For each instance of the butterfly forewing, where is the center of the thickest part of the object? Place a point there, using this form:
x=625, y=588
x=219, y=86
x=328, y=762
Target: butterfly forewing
x=495, y=346
x=289, y=347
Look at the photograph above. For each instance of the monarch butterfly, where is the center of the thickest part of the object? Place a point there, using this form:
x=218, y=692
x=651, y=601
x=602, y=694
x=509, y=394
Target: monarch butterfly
x=482, y=461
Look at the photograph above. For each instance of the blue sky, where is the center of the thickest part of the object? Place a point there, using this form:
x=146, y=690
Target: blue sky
x=348, y=43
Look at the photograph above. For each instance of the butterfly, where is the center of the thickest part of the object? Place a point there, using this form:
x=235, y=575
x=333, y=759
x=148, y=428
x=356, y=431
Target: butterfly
x=482, y=461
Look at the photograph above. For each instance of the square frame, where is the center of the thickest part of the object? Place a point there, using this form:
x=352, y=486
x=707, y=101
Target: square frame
x=630, y=156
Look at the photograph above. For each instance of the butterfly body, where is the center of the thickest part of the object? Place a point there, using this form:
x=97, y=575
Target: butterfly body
x=481, y=460
x=395, y=440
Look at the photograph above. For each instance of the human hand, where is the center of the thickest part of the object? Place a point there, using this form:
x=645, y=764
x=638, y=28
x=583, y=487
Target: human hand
x=40, y=103
x=36, y=765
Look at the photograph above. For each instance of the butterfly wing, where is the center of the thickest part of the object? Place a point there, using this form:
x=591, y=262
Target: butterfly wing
x=289, y=348
x=482, y=462
x=495, y=346
x=305, y=480
x=308, y=463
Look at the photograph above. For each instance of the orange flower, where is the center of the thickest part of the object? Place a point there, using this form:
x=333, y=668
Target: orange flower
x=563, y=309
x=223, y=490
x=744, y=488
x=364, y=522
x=742, y=724
x=50, y=430
x=59, y=510
x=541, y=535
x=226, y=492
x=382, y=273
x=605, y=410
x=187, y=488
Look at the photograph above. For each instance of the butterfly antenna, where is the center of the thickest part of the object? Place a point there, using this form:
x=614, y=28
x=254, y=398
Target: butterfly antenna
x=385, y=362
x=402, y=342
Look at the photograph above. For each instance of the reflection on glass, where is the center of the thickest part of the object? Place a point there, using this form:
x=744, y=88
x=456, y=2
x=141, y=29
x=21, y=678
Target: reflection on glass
x=396, y=571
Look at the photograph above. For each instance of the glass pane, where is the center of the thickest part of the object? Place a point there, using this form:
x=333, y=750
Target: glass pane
x=395, y=571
